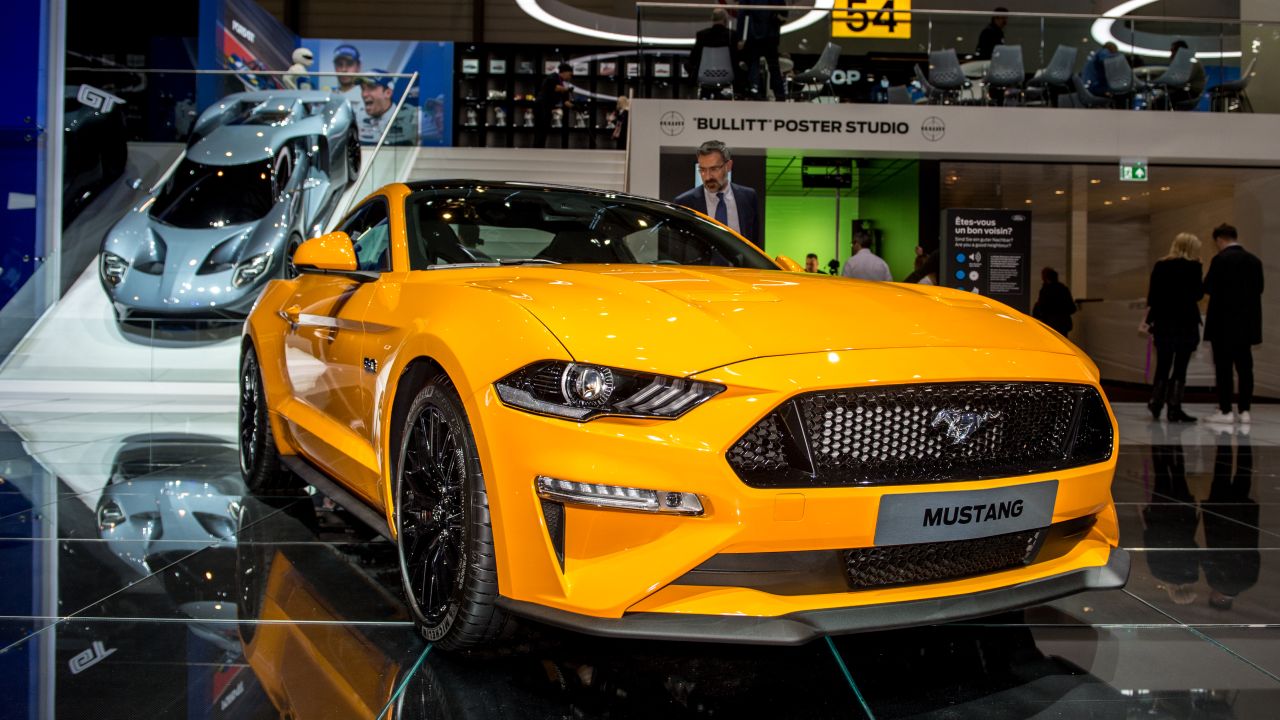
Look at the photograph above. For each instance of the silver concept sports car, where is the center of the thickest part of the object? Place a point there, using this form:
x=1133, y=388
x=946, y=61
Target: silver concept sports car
x=261, y=172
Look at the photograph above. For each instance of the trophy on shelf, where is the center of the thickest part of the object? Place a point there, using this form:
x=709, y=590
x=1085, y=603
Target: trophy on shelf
x=497, y=95
x=557, y=117
x=524, y=67
x=471, y=119
x=527, y=117
x=499, y=117
x=580, y=119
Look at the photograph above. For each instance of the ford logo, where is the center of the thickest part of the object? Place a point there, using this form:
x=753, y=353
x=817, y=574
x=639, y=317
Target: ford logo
x=962, y=424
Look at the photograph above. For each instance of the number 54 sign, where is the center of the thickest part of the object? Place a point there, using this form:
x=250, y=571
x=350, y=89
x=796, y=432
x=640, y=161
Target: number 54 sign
x=871, y=19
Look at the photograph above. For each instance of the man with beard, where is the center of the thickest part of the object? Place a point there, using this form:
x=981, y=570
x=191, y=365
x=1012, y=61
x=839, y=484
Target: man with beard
x=736, y=206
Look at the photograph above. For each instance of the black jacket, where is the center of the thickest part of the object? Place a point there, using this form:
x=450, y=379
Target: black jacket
x=1234, y=286
x=748, y=209
x=714, y=36
x=1172, y=296
x=760, y=25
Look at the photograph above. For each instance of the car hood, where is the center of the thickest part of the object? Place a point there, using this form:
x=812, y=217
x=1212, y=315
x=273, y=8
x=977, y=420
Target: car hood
x=683, y=320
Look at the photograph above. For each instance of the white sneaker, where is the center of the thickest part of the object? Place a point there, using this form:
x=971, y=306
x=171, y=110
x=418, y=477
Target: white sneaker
x=1244, y=417
x=1219, y=418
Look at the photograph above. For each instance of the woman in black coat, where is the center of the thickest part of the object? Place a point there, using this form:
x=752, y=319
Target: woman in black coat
x=1173, y=314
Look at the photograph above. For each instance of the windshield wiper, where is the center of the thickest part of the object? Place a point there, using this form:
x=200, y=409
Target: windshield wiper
x=524, y=261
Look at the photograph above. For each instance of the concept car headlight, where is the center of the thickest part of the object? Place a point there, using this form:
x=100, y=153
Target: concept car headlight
x=113, y=268
x=249, y=270
x=580, y=391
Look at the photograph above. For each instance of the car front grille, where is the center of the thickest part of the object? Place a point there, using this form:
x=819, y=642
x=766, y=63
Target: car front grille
x=906, y=434
x=930, y=562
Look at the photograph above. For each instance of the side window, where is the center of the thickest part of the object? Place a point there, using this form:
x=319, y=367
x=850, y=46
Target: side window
x=370, y=232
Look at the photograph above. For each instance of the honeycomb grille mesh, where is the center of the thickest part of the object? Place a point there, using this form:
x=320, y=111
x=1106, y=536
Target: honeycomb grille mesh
x=931, y=562
x=924, y=433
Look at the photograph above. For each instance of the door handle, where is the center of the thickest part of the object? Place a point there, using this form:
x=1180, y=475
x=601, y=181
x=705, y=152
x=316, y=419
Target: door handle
x=291, y=314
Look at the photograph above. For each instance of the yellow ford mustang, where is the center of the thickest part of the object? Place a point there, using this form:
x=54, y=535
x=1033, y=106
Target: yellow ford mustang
x=614, y=415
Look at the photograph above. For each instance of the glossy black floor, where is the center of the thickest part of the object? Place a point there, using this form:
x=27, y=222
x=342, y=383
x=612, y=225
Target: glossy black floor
x=139, y=581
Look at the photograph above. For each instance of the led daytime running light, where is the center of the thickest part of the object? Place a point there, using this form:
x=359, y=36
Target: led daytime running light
x=618, y=497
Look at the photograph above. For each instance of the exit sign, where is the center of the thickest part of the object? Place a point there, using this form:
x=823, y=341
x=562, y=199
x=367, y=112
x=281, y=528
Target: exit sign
x=1135, y=171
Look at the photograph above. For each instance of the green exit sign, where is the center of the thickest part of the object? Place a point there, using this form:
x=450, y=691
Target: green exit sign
x=1133, y=171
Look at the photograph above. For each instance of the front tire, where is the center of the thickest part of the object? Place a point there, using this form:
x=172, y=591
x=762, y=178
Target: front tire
x=259, y=456
x=443, y=531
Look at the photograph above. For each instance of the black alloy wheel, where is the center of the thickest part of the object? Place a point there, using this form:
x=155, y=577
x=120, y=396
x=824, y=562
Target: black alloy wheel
x=445, y=541
x=259, y=457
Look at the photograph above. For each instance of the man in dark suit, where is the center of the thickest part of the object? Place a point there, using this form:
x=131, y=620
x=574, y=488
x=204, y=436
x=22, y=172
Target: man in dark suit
x=1233, y=324
x=729, y=203
x=717, y=36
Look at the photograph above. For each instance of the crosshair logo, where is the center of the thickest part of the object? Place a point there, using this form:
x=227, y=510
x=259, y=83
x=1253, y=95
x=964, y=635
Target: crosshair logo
x=933, y=128
x=671, y=122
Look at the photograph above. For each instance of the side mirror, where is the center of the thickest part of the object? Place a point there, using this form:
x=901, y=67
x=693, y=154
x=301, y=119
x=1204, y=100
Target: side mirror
x=330, y=254
x=788, y=264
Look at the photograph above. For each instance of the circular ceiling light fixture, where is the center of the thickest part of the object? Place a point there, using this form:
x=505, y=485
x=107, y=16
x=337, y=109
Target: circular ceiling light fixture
x=1148, y=44
x=605, y=27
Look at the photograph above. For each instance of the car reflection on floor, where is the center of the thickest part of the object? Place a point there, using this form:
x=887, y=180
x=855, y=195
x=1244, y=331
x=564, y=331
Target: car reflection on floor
x=297, y=613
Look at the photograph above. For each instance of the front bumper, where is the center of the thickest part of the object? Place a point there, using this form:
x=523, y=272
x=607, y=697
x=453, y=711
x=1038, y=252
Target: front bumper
x=613, y=564
x=801, y=627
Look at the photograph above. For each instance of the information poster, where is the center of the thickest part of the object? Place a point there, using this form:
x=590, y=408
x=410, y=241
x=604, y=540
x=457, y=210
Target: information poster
x=988, y=252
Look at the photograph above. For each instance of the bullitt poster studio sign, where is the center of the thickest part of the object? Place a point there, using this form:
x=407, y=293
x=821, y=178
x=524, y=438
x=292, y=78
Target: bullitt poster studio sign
x=673, y=124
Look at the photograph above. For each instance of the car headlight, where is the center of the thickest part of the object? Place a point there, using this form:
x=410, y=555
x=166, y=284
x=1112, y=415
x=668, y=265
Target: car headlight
x=113, y=268
x=249, y=270
x=581, y=391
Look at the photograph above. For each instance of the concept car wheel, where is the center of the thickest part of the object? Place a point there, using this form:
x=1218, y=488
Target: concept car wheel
x=445, y=540
x=259, y=457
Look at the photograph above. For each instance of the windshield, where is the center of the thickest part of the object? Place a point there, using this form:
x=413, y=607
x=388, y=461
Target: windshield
x=512, y=225
x=201, y=196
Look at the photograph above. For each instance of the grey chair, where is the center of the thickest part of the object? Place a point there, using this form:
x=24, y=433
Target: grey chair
x=1005, y=75
x=1176, y=77
x=946, y=75
x=900, y=95
x=1055, y=78
x=715, y=72
x=931, y=94
x=1231, y=96
x=820, y=74
x=1084, y=98
x=1121, y=84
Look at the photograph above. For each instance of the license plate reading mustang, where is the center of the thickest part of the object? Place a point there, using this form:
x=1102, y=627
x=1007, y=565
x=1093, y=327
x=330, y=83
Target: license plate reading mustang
x=964, y=515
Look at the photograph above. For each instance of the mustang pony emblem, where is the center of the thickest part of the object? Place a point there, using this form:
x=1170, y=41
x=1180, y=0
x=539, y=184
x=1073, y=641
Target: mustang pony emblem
x=962, y=424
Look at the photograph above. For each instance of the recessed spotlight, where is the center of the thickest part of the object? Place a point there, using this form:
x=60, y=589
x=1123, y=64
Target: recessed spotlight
x=1165, y=187
x=1106, y=202
x=1059, y=192
x=1095, y=181
x=1027, y=201
x=1124, y=197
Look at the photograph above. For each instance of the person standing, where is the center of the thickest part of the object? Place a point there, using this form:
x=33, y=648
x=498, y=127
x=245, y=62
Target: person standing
x=554, y=92
x=1054, y=305
x=864, y=264
x=760, y=32
x=1233, y=323
x=731, y=204
x=1173, y=315
x=992, y=35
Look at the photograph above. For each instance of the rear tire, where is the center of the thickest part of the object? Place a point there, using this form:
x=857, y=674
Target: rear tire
x=444, y=537
x=259, y=457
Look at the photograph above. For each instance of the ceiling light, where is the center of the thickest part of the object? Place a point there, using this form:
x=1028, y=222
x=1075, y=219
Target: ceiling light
x=1101, y=32
x=534, y=9
x=1059, y=192
x=1106, y=202
x=1027, y=201
x=1166, y=187
x=1124, y=197
x=1095, y=181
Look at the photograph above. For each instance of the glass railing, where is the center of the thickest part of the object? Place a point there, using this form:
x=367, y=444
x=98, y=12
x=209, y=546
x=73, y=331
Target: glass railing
x=880, y=47
x=135, y=143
